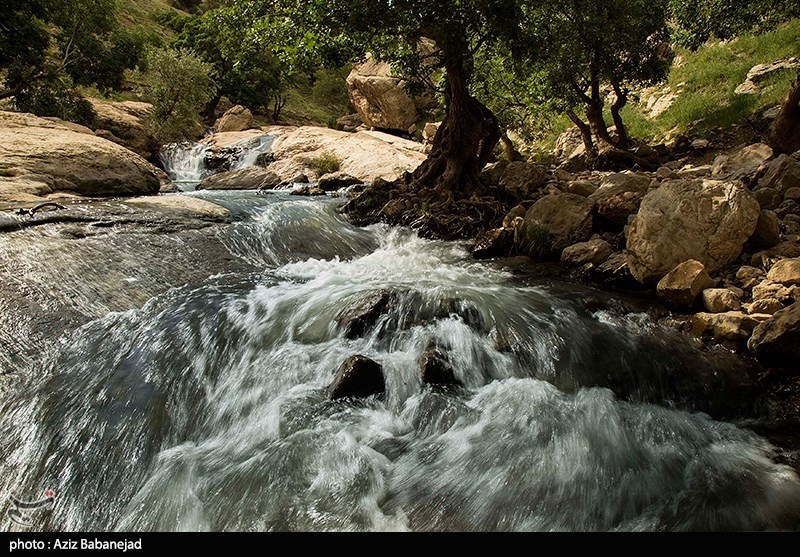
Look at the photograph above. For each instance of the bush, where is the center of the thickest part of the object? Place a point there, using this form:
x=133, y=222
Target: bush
x=178, y=84
x=56, y=97
x=326, y=163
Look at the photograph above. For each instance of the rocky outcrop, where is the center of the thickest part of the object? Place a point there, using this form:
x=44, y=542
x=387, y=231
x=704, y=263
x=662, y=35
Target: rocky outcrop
x=556, y=222
x=707, y=220
x=760, y=72
x=777, y=340
x=364, y=155
x=681, y=287
x=235, y=119
x=358, y=377
x=39, y=157
x=381, y=99
x=253, y=178
x=619, y=196
x=124, y=124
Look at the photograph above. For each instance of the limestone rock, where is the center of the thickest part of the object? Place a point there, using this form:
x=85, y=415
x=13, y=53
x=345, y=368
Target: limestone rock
x=619, y=196
x=782, y=174
x=786, y=272
x=768, y=229
x=429, y=132
x=235, y=119
x=681, y=287
x=336, y=180
x=522, y=179
x=358, y=377
x=380, y=99
x=493, y=243
x=253, y=178
x=125, y=125
x=766, y=306
x=777, y=341
x=720, y=300
x=59, y=159
x=582, y=187
x=733, y=326
x=768, y=289
x=743, y=164
x=749, y=277
x=706, y=220
x=555, y=222
x=595, y=252
x=768, y=198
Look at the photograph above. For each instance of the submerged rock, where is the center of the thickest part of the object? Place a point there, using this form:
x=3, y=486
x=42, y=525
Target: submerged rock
x=358, y=377
x=435, y=369
x=359, y=316
x=252, y=178
x=337, y=180
x=493, y=243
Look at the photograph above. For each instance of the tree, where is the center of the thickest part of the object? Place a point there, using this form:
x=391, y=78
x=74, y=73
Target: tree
x=784, y=137
x=244, y=65
x=49, y=46
x=578, y=46
x=178, y=84
x=697, y=21
x=394, y=31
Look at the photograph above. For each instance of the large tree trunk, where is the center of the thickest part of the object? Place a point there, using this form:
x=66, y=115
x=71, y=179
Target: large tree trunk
x=511, y=153
x=594, y=113
x=784, y=137
x=466, y=138
x=624, y=141
x=586, y=134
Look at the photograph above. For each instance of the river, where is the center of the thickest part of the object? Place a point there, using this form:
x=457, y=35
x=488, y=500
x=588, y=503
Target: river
x=207, y=409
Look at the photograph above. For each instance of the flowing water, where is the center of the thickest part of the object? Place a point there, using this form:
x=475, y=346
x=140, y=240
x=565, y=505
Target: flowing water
x=207, y=409
x=185, y=163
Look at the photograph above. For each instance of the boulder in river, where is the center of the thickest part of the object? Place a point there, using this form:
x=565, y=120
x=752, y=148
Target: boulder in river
x=595, y=251
x=493, y=243
x=337, y=180
x=39, y=157
x=435, y=369
x=556, y=222
x=358, y=377
x=733, y=326
x=777, y=341
x=705, y=220
x=358, y=316
x=681, y=287
x=252, y=178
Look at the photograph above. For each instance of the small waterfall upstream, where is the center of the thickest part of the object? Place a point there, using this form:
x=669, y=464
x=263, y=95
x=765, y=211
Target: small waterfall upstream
x=252, y=150
x=207, y=408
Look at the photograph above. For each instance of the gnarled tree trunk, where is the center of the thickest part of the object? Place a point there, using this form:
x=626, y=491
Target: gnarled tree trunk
x=624, y=141
x=784, y=137
x=466, y=138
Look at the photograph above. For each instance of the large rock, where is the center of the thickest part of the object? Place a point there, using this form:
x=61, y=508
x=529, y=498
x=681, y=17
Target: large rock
x=125, y=125
x=521, y=179
x=595, y=251
x=742, y=165
x=777, y=341
x=361, y=314
x=493, y=243
x=760, y=72
x=681, y=287
x=336, y=180
x=734, y=326
x=768, y=229
x=720, y=300
x=253, y=178
x=555, y=222
x=569, y=144
x=358, y=377
x=706, y=220
x=782, y=174
x=235, y=119
x=435, y=369
x=39, y=157
x=786, y=272
x=381, y=99
x=365, y=155
x=620, y=196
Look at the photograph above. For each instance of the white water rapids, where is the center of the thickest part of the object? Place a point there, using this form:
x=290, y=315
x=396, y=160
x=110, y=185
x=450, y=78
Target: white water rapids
x=207, y=409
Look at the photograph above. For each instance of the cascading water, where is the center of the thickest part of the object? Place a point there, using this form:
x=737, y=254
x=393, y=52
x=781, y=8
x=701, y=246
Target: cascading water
x=251, y=151
x=185, y=163
x=207, y=408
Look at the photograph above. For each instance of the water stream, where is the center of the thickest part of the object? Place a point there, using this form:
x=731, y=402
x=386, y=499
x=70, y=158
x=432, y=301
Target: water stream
x=207, y=409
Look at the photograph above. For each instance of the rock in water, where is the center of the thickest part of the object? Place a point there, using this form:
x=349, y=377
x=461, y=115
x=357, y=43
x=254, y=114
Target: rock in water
x=434, y=368
x=359, y=316
x=777, y=341
x=705, y=220
x=252, y=178
x=493, y=243
x=595, y=252
x=358, y=377
x=336, y=180
x=681, y=287
x=556, y=222
x=733, y=326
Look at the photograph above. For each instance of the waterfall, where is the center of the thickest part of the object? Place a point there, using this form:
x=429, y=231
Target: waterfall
x=185, y=163
x=250, y=151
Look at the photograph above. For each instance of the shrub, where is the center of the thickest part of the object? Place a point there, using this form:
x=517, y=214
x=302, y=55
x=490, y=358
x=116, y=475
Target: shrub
x=56, y=97
x=326, y=163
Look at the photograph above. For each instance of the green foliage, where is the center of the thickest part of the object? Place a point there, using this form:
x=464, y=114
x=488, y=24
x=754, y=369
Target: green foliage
x=329, y=88
x=56, y=97
x=697, y=21
x=326, y=162
x=178, y=84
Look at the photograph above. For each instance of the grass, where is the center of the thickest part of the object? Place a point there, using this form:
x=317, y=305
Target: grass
x=326, y=163
x=705, y=82
x=133, y=14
